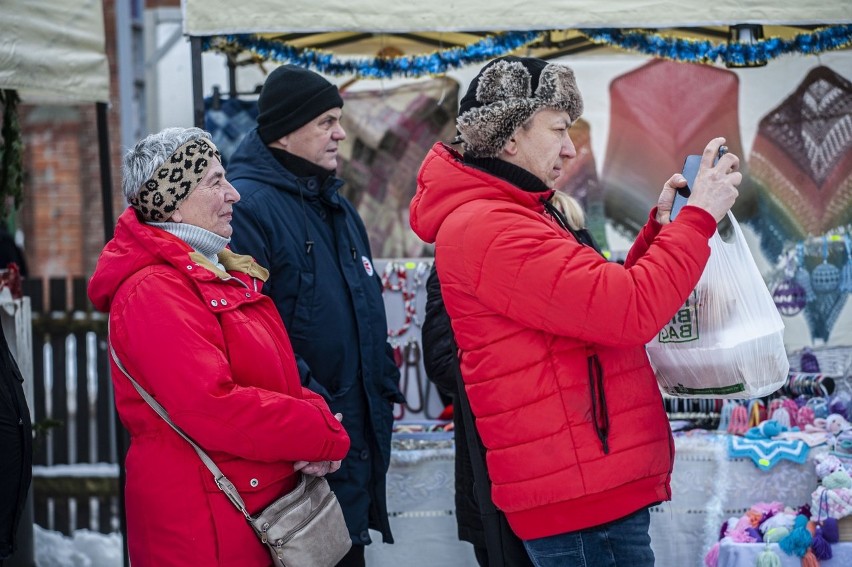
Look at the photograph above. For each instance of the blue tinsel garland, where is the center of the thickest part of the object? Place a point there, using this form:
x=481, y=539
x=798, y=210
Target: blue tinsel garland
x=739, y=54
x=378, y=67
x=690, y=50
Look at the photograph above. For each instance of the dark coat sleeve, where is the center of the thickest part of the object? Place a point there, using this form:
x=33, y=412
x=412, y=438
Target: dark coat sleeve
x=438, y=341
x=15, y=447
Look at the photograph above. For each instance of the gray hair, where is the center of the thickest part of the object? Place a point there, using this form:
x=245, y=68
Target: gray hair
x=149, y=154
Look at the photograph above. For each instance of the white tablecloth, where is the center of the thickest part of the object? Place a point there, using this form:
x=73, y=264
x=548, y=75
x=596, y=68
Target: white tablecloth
x=746, y=554
x=421, y=492
x=707, y=489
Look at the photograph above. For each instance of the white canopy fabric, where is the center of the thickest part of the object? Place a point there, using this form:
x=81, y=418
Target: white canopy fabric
x=54, y=49
x=219, y=17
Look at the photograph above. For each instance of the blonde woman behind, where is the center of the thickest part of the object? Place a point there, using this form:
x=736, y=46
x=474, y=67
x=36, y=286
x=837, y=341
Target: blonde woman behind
x=568, y=212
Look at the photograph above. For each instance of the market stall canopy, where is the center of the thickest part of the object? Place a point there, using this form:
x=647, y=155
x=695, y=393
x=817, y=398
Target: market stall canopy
x=54, y=49
x=219, y=17
x=415, y=39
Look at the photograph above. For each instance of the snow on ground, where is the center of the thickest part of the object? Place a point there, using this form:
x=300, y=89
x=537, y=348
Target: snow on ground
x=84, y=549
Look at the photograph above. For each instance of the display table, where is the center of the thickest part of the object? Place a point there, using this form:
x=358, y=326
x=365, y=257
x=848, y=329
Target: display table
x=746, y=554
x=421, y=506
x=707, y=489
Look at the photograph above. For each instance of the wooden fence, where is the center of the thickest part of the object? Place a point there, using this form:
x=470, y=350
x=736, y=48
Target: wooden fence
x=72, y=411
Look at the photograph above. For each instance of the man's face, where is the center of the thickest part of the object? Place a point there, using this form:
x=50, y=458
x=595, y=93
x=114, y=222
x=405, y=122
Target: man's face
x=542, y=145
x=210, y=204
x=317, y=141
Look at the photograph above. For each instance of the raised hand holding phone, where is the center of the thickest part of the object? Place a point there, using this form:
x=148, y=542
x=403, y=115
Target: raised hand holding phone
x=690, y=171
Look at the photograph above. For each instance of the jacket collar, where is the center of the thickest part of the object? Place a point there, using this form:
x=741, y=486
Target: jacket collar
x=445, y=183
x=259, y=165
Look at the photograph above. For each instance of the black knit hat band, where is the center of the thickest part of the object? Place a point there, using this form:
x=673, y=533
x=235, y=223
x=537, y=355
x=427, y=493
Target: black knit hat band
x=291, y=97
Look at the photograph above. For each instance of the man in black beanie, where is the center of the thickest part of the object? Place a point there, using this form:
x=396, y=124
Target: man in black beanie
x=293, y=220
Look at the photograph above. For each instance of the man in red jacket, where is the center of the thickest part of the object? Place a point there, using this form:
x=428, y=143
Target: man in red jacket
x=551, y=336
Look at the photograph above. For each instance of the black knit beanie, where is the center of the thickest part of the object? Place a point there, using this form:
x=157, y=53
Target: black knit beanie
x=506, y=93
x=291, y=97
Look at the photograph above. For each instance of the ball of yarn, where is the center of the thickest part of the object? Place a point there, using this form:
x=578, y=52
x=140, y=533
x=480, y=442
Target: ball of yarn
x=837, y=479
x=830, y=530
x=781, y=520
x=782, y=416
x=826, y=465
x=776, y=534
x=839, y=406
x=805, y=416
x=819, y=406
x=799, y=540
x=792, y=409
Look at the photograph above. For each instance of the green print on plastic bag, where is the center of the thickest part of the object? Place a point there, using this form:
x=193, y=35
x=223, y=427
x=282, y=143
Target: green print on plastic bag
x=683, y=327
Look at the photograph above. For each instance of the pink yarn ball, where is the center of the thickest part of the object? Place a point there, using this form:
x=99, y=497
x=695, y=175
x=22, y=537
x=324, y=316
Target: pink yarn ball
x=805, y=416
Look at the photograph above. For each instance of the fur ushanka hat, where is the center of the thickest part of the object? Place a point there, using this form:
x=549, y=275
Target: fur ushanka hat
x=505, y=94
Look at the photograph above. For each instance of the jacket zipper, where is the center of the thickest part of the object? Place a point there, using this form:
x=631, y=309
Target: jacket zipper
x=600, y=414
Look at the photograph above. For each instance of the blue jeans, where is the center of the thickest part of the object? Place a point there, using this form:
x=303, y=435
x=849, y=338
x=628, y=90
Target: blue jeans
x=622, y=543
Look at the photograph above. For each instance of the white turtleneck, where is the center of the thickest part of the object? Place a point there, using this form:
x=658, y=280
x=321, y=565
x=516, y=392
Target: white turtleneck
x=206, y=243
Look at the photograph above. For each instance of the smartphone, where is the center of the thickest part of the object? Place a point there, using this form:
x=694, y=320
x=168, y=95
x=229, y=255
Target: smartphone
x=690, y=170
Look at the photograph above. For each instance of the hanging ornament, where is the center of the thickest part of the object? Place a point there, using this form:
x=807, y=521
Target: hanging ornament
x=400, y=285
x=846, y=272
x=826, y=277
x=803, y=278
x=788, y=295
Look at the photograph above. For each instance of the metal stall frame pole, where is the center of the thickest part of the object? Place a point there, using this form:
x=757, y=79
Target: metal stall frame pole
x=197, y=82
x=120, y=434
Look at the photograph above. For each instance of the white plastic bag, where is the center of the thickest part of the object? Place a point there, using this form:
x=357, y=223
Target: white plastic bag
x=727, y=341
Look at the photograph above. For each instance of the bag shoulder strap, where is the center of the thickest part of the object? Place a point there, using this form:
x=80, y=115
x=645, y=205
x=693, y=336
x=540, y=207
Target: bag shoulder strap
x=219, y=477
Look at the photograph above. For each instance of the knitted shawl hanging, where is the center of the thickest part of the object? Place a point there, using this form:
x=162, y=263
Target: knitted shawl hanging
x=801, y=163
x=389, y=131
x=660, y=113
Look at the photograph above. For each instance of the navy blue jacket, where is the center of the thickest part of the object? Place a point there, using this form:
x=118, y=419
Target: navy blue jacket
x=329, y=295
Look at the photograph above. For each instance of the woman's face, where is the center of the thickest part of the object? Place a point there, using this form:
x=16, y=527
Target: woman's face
x=542, y=145
x=210, y=204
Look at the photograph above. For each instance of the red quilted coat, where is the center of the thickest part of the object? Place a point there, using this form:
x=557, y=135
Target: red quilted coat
x=213, y=351
x=551, y=339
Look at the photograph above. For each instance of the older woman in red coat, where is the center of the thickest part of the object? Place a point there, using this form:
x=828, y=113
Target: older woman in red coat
x=189, y=322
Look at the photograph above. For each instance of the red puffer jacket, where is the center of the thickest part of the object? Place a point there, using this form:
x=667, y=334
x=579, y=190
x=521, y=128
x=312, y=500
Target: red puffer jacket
x=552, y=345
x=213, y=351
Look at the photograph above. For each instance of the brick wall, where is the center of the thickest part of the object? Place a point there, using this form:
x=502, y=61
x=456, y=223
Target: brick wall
x=62, y=215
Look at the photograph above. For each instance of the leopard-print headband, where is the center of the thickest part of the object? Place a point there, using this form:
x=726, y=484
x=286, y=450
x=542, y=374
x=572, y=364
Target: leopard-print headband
x=174, y=181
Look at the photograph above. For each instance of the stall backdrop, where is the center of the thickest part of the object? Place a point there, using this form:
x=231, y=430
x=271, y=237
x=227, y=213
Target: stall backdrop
x=659, y=79
x=54, y=49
